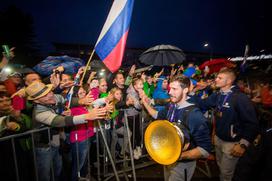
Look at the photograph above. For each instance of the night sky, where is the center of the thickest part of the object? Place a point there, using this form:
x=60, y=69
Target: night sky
x=227, y=25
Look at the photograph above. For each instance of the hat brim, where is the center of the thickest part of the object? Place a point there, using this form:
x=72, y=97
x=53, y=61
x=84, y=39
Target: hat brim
x=19, y=93
x=49, y=88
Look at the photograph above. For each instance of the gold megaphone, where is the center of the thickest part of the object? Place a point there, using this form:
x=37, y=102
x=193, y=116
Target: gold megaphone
x=164, y=141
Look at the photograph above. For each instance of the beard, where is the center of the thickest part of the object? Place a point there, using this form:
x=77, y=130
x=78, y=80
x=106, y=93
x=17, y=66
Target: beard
x=176, y=99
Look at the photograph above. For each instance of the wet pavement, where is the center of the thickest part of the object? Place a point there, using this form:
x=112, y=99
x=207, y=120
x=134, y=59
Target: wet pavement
x=205, y=171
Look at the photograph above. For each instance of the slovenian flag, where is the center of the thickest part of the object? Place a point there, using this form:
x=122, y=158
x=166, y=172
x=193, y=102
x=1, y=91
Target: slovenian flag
x=111, y=42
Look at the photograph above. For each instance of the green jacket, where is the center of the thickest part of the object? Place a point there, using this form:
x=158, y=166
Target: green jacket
x=149, y=89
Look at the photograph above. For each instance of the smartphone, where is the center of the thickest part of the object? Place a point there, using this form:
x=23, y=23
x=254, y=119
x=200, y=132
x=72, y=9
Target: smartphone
x=6, y=50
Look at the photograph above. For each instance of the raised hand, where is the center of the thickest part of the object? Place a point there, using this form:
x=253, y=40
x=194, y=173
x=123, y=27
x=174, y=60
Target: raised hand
x=173, y=71
x=143, y=77
x=55, y=80
x=109, y=107
x=66, y=112
x=109, y=98
x=87, y=101
x=200, y=86
x=132, y=70
x=92, y=75
x=12, y=126
x=143, y=97
x=96, y=113
x=11, y=52
x=81, y=70
x=160, y=73
x=59, y=69
x=181, y=68
x=64, y=85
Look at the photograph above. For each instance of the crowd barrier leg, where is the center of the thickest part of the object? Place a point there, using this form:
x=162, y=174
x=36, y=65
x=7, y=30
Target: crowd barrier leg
x=51, y=158
x=15, y=159
x=113, y=141
x=142, y=131
x=77, y=155
x=89, y=161
x=108, y=151
x=97, y=155
x=130, y=147
x=104, y=155
x=133, y=133
x=34, y=157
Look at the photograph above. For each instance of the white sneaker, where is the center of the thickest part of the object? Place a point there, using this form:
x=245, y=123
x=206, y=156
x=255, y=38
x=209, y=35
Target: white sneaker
x=139, y=150
x=136, y=154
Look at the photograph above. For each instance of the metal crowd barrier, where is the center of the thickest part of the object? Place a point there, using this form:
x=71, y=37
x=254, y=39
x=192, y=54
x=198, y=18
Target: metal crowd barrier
x=107, y=151
x=108, y=164
x=18, y=136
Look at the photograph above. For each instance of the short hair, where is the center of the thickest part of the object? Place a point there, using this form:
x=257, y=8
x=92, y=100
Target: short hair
x=76, y=90
x=229, y=72
x=184, y=82
x=191, y=63
x=30, y=73
x=136, y=79
x=115, y=89
x=118, y=73
x=102, y=79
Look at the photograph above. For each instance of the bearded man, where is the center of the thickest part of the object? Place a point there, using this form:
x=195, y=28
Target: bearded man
x=192, y=123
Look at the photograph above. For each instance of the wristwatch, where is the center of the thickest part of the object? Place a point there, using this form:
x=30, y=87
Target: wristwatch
x=243, y=146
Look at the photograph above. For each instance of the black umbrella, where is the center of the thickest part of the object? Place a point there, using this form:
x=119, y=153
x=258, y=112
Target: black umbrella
x=162, y=55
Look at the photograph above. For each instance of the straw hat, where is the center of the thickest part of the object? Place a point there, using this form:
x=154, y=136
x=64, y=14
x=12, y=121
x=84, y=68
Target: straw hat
x=20, y=93
x=37, y=90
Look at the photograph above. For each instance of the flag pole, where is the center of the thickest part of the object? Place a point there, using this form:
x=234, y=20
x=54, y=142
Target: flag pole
x=244, y=65
x=87, y=65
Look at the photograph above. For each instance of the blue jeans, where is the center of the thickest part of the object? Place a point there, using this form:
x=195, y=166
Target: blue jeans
x=80, y=152
x=46, y=158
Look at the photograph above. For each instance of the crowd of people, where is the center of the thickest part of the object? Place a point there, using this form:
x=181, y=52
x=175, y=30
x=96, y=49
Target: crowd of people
x=70, y=107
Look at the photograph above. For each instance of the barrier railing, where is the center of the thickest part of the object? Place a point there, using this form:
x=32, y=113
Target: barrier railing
x=125, y=164
x=15, y=137
x=114, y=150
x=110, y=161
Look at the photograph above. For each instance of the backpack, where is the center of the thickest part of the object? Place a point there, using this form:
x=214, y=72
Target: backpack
x=184, y=124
